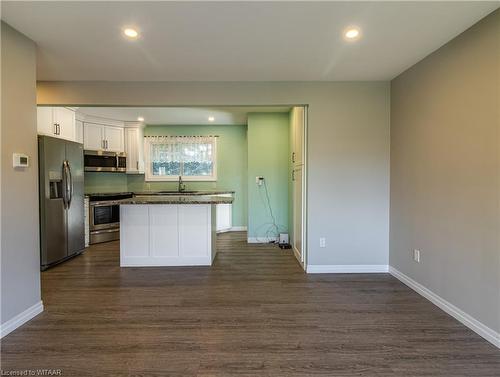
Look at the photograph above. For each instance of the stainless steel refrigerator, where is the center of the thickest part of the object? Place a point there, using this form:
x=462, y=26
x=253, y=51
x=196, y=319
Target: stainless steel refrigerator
x=62, y=233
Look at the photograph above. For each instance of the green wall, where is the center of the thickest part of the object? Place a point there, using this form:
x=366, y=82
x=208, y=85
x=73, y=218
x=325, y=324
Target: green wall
x=268, y=150
x=231, y=164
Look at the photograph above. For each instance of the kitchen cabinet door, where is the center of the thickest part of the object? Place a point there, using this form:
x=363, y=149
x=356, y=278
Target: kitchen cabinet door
x=65, y=119
x=113, y=137
x=224, y=217
x=45, y=121
x=93, y=136
x=79, y=131
x=298, y=135
x=134, y=148
x=131, y=150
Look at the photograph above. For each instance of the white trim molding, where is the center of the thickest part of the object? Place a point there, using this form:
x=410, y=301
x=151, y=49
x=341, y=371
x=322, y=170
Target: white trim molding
x=347, y=268
x=233, y=229
x=297, y=255
x=20, y=319
x=478, y=327
x=262, y=239
x=238, y=229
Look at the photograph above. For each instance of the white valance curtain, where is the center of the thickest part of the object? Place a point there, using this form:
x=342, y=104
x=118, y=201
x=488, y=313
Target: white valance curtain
x=182, y=155
x=182, y=148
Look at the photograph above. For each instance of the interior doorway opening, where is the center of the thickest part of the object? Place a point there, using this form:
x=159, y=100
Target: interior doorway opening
x=256, y=154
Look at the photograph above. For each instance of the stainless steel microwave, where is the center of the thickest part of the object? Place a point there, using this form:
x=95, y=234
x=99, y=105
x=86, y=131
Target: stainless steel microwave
x=104, y=161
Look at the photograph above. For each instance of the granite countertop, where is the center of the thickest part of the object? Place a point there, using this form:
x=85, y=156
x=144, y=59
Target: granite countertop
x=178, y=199
x=167, y=192
x=108, y=193
x=185, y=193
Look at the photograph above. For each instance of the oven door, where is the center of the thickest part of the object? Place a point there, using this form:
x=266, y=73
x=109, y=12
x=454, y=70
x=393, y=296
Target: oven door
x=104, y=216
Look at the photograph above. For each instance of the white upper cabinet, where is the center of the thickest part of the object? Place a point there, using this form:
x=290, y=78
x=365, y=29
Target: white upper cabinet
x=45, y=121
x=79, y=131
x=57, y=122
x=134, y=148
x=93, y=136
x=66, y=121
x=102, y=137
x=297, y=129
x=113, y=137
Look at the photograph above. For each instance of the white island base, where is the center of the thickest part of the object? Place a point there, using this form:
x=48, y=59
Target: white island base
x=167, y=235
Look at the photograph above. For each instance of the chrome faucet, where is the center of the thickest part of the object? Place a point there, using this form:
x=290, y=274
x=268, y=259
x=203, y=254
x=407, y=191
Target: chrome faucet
x=182, y=186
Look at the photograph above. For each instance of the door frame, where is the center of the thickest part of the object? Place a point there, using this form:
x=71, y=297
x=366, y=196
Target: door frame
x=303, y=220
x=305, y=142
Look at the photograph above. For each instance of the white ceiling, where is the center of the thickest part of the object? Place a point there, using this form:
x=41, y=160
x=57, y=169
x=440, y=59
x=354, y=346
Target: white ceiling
x=234, y=115
x=236, y=41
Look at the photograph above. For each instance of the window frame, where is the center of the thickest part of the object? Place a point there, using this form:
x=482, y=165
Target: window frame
x=150, y=177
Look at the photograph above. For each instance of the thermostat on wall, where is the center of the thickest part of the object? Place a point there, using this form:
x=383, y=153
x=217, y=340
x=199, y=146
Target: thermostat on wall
x=20, y=160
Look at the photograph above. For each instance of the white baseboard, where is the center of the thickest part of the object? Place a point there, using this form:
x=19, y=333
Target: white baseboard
x=20, y=319
x=233, y=229
x=478, y=327
x=261, y=239
x=346, y=268
x=238, y=229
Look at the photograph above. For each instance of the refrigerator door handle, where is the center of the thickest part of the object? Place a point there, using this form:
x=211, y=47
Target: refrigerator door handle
x=65, y=185
x=70, y=185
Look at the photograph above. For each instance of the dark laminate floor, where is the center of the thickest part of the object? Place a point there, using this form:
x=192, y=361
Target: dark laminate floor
x=254, y=313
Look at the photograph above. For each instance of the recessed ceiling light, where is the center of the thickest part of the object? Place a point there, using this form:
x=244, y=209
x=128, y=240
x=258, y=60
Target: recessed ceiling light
x=352, y=33
x=131, y=33
x=140, y=119
x=211, y=119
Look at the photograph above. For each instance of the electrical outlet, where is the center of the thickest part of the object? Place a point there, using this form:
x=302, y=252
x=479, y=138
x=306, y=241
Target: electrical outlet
x=322, y=242
x=416, y=255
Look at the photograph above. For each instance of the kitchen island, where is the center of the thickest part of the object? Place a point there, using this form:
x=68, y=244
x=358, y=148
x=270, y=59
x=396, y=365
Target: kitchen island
x=168, y=230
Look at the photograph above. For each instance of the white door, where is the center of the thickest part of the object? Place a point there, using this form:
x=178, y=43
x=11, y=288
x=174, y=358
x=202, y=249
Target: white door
x=65, y=118
x=45, y=121
x=131, y=149
x=297, y=213
x=114, y=139
x=93, y=136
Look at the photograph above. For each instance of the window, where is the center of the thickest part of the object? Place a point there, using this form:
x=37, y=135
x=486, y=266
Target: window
x=191, y=157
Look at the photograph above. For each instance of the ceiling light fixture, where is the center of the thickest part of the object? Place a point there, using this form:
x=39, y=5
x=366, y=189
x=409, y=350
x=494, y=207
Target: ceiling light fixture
x=211, y=119
x=131, y=33
x=140, y=119
x=352, y=33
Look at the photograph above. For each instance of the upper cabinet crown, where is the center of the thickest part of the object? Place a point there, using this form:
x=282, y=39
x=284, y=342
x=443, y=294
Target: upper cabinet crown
x=102, y=137
x=57, y=122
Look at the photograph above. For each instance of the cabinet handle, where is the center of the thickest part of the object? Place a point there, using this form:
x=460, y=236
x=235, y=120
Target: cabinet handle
x=106, y=144
x=293, y=175
x=293, y=156
x=103, y=145
x=58, y=129
x=137, y=165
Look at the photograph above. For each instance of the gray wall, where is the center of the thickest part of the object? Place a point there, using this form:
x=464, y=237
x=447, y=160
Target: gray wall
x=20, y=259
x=348, y=149
x=445, y=171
